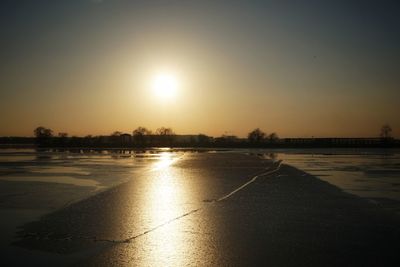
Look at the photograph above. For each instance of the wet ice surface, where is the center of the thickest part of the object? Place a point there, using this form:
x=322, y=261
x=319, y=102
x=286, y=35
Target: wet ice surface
x=35, y=183
x=23, y=173
x=166, y=214
x=369, y=173
x=163, y=193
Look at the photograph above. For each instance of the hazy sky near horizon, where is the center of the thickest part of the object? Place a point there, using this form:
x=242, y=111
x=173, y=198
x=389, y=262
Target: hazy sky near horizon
x=298, y=68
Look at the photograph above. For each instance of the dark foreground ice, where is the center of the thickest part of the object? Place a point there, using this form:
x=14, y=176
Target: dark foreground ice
x=190, y=212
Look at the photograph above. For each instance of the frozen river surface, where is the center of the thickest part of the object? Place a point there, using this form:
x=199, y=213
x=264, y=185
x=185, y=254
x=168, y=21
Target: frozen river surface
x=216, y=208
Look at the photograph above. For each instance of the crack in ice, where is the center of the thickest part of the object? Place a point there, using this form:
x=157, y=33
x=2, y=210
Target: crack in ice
x=129, y=239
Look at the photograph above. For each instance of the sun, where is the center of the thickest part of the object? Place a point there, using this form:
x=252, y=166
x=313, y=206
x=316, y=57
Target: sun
x=165, y=85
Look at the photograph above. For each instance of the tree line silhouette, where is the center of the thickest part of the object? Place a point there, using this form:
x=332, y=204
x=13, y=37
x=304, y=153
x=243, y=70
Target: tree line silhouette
x=142, y=137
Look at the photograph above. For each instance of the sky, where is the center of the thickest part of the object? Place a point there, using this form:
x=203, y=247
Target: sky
x=297, y=68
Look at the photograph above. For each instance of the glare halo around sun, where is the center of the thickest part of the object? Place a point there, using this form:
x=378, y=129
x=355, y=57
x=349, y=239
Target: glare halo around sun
x=165, y=85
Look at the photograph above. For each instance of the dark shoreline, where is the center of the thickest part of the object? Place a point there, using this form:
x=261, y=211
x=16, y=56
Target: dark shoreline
x=129, y=150
x=127, y=141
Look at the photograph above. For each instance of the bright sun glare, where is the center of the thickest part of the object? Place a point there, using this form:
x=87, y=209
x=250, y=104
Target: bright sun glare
x=165, y=85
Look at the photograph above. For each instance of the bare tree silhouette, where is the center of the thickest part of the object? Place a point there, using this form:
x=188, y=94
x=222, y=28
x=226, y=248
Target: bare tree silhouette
x=166, y=136
x=273, y=137
x=140, y=135
x=43, y=135
x=42, y=132
x=256, y=136
x=141, y=131
x=164, y=131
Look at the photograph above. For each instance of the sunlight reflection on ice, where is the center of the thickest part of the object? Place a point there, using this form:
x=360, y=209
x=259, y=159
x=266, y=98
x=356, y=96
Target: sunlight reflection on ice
x=167, y=197
x=166, y=159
